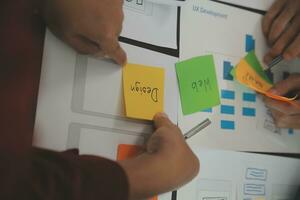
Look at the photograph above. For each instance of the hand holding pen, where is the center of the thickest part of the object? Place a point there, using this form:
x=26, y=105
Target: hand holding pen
x=281, y=27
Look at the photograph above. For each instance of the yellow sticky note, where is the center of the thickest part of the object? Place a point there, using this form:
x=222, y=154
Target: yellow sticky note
x=143, y=91
x=246, y=75
x=260, y=198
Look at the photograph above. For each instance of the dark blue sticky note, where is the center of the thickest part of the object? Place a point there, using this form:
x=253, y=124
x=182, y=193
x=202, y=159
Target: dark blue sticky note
x=227, y=67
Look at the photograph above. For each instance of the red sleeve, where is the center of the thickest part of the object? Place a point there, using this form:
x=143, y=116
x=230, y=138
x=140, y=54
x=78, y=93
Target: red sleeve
x=39, y=174
x=51, y=175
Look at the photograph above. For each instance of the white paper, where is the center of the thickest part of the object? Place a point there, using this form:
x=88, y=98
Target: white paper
x=256, y=4
x=82, y=98
x=228, y=175
x=213, y=28
x=150, y=23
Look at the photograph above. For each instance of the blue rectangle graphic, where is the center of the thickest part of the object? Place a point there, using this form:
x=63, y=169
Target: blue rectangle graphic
x=226, y=109
x=207, y=110
x=250, y=43
x=227, y=125
x=250, y=97
x=256, y=174
x=291, y=131
x=228, y=94
x=227, y=67
x=254, y=189
x=249, y=112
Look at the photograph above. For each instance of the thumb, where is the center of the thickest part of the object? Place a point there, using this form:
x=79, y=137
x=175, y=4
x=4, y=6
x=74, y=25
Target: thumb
x=161, y=120
x=119, y=55
x=112, y=49
x=285, y=86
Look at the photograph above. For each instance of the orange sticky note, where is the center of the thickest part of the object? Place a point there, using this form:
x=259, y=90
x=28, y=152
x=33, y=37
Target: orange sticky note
x=246, y=75
x=126, y=151
x=143, y=88
x=276, y=97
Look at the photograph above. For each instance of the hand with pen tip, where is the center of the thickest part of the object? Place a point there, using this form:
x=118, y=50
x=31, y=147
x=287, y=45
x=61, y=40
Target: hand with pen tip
x=166, y=164
x=286, y=115
x=89, y=26
x=281, y=26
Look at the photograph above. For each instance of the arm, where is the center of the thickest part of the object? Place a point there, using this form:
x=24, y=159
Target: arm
x=167, y=164
x=43, y=174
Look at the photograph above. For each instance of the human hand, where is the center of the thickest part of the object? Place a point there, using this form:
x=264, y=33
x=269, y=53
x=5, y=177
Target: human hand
x=167, y=163
x=89, y=26
x=286, y=115
x=281, y=26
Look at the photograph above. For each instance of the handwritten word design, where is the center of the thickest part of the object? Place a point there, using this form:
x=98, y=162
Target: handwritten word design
x=146, y=90
x=143, y=91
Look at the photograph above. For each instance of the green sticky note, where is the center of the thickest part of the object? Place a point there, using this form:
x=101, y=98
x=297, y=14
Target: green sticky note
x=232, y=73
x=198, y=84
x=254, y=63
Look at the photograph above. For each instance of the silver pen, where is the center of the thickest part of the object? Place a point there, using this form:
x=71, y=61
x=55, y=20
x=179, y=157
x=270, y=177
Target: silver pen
x=274, y=62
x=197, y=129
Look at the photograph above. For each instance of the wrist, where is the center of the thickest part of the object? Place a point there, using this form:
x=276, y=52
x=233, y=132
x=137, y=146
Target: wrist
x=147, y=175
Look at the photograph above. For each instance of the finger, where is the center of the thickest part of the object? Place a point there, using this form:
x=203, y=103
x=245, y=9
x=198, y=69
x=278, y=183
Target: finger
x=99, y=54
x=119, y=55
x=107, y=39
x=111, y=47
x=292, y=83
x=280, y=23
x=286, y=121
x=283, y=107
x=153, y=144
x=271, y=15
x=82, y=45
x=162, y=120
x=269, y=57
x=285, y=39
x=294, y=49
